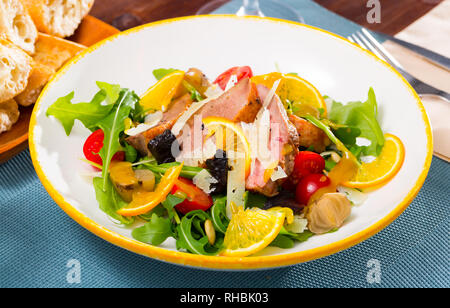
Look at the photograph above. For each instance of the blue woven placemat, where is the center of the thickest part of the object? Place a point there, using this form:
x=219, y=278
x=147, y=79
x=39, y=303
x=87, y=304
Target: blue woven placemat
x=38, y=240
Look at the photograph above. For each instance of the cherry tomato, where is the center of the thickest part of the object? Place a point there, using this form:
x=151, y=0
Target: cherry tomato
x=309, y=185
x=240, y=71
x=196, y=198
x=93, y=145
x=307, y=163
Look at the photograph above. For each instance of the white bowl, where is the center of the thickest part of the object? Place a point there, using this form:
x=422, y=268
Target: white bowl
x=335, y=66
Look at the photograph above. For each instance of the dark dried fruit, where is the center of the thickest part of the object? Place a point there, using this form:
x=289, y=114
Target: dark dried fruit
x=218, y=168
x=162, y=145
x=284, y=199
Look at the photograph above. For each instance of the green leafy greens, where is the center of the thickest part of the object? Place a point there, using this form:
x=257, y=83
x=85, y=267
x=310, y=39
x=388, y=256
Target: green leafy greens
x=154, y=232
x=360, y=118
x=110, y=201
x=88, y=113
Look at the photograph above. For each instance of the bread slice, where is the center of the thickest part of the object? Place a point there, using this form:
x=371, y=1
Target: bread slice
x=9, y=115
x=58, y=17
x=16, y=25
x=55, y=52
x=15, y=69
x=51, y=53
x=39, y=77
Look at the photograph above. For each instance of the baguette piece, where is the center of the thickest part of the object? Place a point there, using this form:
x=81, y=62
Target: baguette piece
x=39, y=77
x=55, y=52
x=9, y=115
x=58, y=17
x=15, y=69
x=16, y=25
x=51, y=53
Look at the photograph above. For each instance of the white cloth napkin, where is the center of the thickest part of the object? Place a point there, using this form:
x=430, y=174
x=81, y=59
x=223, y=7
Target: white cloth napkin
x=432, y=32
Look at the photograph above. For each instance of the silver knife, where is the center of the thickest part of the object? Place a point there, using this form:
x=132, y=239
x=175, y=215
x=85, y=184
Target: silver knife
x=434, y=57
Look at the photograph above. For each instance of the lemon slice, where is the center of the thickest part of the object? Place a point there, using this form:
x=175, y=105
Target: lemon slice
x=383, y=168
x=289, y=213
x=213, y=124
x=251, y=231
x=159, y=96
x=305, y=98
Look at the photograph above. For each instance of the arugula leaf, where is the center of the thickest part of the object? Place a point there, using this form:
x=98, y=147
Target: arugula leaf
x=159, y=210
x=219, y=214
x=112, y=91
x=169, y=204
x=110, y=201
x=256, y=200
x=154, y=232
x=299, y=237
x=282, y=241
x=162, y=72
x=88, y=113
x=362, y=116
x=187, y=171
x=192, y=237
x=113, y=125
x=130, y=153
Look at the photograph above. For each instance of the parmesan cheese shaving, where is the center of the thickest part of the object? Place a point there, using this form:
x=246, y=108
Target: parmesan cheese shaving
x=153, y=118
x=231, y=83
x=299, y=225
x=356, y=197
x=278, y=174
x=204, y=180
x=178, y=126
x=138, y=129
x=236, y=184
x=213, y=90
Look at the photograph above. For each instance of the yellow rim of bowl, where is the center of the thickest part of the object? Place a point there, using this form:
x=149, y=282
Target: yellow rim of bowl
x=216, y=262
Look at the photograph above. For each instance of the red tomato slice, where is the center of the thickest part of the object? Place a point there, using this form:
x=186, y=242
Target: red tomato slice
x=240, y=71
x=307, y=163
x=196, y=200
x=309, y=185
x=93, y=145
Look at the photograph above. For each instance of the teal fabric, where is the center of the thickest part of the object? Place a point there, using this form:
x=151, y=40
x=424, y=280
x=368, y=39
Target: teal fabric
x=37, y=239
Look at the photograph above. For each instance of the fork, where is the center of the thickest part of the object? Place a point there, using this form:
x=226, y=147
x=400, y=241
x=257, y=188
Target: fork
x=367, y=41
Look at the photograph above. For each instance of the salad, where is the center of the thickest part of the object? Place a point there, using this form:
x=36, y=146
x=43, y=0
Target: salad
x=232, y=166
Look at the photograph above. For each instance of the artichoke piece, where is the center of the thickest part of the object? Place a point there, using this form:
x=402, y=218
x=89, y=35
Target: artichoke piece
x=328, y=213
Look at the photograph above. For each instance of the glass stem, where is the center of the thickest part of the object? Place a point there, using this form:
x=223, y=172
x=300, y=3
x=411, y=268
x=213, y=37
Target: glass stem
x=250, y=7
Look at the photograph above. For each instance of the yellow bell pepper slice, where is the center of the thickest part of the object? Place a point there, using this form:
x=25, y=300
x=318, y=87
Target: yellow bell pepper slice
x=160, y=95
x=144, y=201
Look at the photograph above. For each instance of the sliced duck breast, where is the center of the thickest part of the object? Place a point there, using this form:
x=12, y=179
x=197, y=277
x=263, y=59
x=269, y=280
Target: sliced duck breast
x=309, y=134
x=239, y=104
x=175, y=111
x=283, y=146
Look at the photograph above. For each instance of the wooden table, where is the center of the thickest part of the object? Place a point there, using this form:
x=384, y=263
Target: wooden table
x=124, y=14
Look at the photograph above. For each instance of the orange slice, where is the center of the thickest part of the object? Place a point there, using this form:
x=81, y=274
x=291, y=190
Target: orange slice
x=144, y=201
x=214, y=123
x=251, y=231
x=159, y=96
x=304, y=97
x=383, y=168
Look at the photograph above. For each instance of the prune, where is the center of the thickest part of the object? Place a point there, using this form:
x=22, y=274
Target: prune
x=162, y=145
x=218, y=167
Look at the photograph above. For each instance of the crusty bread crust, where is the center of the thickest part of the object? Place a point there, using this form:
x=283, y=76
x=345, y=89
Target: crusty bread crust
x=9, y=115
x=58, y=17
x=39, y=77
x=16, y=25
x=55, y=52
x=51, y=53
x=15, y=68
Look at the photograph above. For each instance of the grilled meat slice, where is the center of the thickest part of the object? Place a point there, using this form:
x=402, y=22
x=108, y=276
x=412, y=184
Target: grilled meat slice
x=178, y=107
x=309, y=134
x=283, y=146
